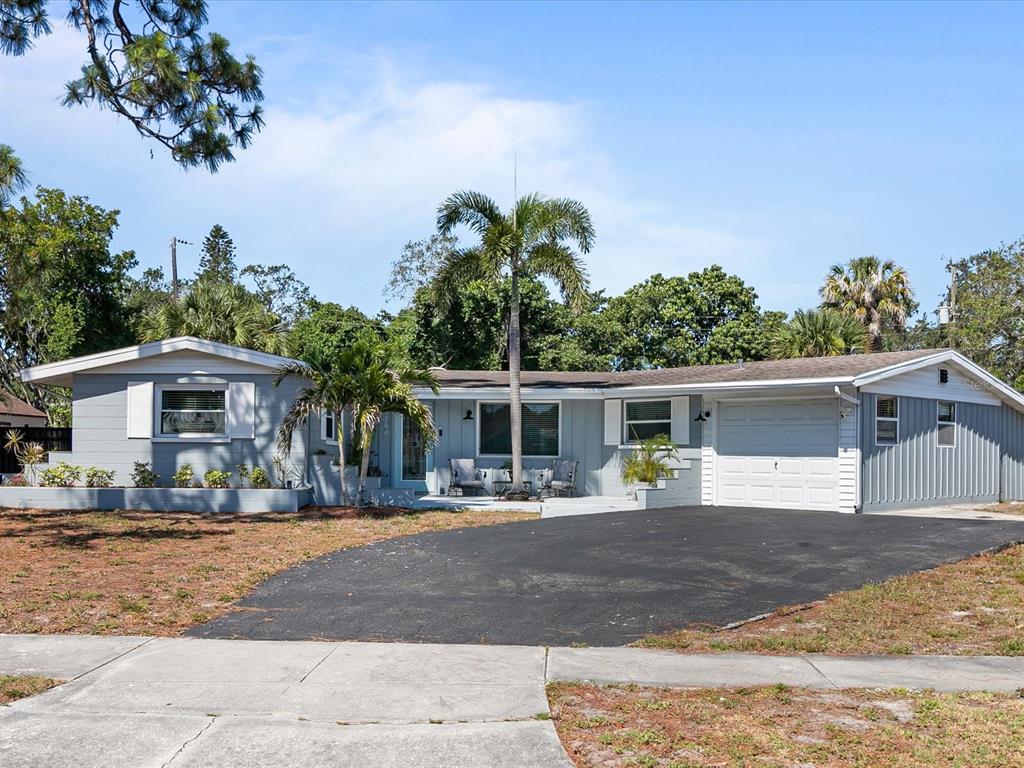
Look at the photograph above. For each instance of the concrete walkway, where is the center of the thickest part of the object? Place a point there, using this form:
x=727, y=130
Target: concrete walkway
x=193, y=702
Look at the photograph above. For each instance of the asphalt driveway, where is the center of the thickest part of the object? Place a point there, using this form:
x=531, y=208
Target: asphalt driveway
x=603, y=579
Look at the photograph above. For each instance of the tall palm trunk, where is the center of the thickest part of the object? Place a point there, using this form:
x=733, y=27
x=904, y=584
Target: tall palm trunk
x=339, y=433
x=515, y=395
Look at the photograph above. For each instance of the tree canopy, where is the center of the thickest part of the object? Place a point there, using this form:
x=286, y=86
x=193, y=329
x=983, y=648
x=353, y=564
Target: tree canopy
x=875, y=293
x=149, y=63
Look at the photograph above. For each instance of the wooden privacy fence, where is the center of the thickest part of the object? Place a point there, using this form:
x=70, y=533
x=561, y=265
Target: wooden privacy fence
x=51, y=438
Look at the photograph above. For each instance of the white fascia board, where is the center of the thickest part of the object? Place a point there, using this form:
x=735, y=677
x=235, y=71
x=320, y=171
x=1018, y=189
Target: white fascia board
x=725, y=386
x=55, y=372
x=1008, y=393
x=501, y=393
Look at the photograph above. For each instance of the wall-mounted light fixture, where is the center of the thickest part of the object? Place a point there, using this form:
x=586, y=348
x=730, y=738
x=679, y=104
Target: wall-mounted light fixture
x=468, y=416
x=703, y=416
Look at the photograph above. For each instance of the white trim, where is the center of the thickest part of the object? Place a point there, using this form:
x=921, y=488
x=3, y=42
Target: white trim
x=896, y=419
x=626, y=421
x=940, y=423
x=479, y=424
x=612, y=421
x=51, y=372
x=188, y=437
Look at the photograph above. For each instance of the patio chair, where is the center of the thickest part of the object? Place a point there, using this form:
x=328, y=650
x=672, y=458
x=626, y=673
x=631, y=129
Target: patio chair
x=560, y=478
x=465, y=477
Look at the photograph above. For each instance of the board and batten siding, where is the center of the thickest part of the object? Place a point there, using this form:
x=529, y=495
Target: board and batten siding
x=582, y=438
x=1011, y=486
x=919, y=472
x=100, y=434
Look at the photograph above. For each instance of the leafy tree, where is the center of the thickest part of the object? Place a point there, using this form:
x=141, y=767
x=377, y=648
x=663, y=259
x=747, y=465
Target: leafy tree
x=280, y=291
x=705, y=318
x=13, y=177
x=380, y=388
x=874, y=292
x=147, y=292
x=62, y=291
x=149, y=64
x=528, y=241
x=988, y=322
x=819, y=333
x=217, y=264
x=578, y=341
x=223, y=312
x=416, y=267
x=331, y=329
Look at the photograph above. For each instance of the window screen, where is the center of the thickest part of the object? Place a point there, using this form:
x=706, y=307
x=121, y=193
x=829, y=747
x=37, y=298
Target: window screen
x=946, y=422
x=539, y=431
x=887, y=425
x=648, y=418
x=192, y=411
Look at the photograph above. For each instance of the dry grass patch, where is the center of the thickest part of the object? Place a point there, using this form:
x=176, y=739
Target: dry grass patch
x=1009, y=508
x=613, y=727
x=13, y=687
x=160, y=573
x=973, y=607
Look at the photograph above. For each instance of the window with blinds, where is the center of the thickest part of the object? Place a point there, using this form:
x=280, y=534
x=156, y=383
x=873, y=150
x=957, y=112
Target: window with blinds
x=192, y=412
x=648, y=418
x=539, y=431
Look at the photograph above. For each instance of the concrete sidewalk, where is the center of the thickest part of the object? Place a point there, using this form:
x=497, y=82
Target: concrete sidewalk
x=194, y=702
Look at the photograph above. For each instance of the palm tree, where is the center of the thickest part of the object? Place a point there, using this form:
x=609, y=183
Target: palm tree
x=378, y=389
x=331, y=390
x=528, y=241
x=876, y=293
x=819, y=333
x=13, y=177
x=224, y=312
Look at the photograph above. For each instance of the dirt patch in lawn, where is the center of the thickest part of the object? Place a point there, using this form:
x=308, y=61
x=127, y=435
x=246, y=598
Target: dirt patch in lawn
x=1009, y=508
x=972, y=607
x=14, y=687
x=154, y=573
x=609, y=727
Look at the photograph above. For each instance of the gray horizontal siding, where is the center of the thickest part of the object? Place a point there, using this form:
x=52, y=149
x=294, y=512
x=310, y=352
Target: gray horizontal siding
x=917, y=471
x=99, y=430
x=1012, y=459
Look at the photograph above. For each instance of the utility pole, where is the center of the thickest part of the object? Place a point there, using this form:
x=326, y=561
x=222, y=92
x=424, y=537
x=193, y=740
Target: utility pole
x=174, y=264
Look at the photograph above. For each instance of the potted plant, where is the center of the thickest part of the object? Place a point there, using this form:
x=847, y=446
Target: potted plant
x=649, y=462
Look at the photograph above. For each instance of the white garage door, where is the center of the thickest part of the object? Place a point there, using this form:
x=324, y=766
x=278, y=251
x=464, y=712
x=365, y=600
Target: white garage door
x=778, y=453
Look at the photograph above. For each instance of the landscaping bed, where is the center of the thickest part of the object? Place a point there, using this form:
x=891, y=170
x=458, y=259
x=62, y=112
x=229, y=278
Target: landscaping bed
x=973, y=607
x=609, y=727
x=14, y=687
x=152, y=573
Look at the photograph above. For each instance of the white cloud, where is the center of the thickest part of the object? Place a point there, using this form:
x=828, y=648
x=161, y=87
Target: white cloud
x=344, y=174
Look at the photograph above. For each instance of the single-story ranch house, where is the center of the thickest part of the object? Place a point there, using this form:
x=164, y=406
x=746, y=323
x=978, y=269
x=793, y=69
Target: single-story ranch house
x=843, y=434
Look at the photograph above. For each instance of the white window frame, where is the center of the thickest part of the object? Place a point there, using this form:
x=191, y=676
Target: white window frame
x=324, y=418
x=939, y=423
x=896, y=419
x=158, y=402
x=626, y=421
x=479, y=426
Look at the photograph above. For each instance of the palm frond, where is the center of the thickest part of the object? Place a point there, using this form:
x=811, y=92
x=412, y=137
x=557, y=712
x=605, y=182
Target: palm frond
x=474, y=209
x=565, y=267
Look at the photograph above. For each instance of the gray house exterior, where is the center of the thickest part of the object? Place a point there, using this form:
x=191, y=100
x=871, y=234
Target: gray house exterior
x=846, y=434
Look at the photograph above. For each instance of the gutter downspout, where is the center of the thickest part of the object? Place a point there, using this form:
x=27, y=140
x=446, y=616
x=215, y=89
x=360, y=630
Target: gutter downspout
x=843, y=396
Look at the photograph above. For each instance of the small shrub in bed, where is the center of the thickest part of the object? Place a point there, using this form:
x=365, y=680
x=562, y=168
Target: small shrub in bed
x=97, y=477
x=64, y=475
x=143, y=475
x=217, y=478
x=258, y=478
x=184, y=477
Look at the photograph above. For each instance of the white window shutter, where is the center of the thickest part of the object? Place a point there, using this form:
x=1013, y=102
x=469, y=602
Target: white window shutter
x=241, y=410
x=681, y=420
x=140, y=409
x=612, y=422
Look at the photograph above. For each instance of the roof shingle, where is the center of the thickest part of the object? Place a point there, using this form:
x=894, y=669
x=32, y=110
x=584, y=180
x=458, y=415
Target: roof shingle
x=14, y=406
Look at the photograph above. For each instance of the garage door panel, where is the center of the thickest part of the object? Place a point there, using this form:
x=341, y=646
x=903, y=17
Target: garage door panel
x=778, y=454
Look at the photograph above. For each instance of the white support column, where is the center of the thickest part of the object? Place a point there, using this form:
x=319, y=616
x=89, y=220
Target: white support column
x=849, y=456
x=707, y=454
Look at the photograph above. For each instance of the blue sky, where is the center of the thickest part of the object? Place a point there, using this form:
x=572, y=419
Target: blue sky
x=772, y=139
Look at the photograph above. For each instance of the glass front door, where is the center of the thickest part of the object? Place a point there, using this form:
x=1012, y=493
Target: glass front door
x=414, y=452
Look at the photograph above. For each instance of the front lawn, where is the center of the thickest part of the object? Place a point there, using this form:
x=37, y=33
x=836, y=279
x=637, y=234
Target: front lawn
x=616, y=727
x=154, y=573
x=974, y=607
x=14, y=687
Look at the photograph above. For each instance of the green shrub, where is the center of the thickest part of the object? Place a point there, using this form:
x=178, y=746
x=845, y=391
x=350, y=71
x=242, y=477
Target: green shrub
x=184, y=477
x=649, y=462
x=64, y=475
x=259, y=478
x=97, y=477
x=217, y=478
x=143, y=475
